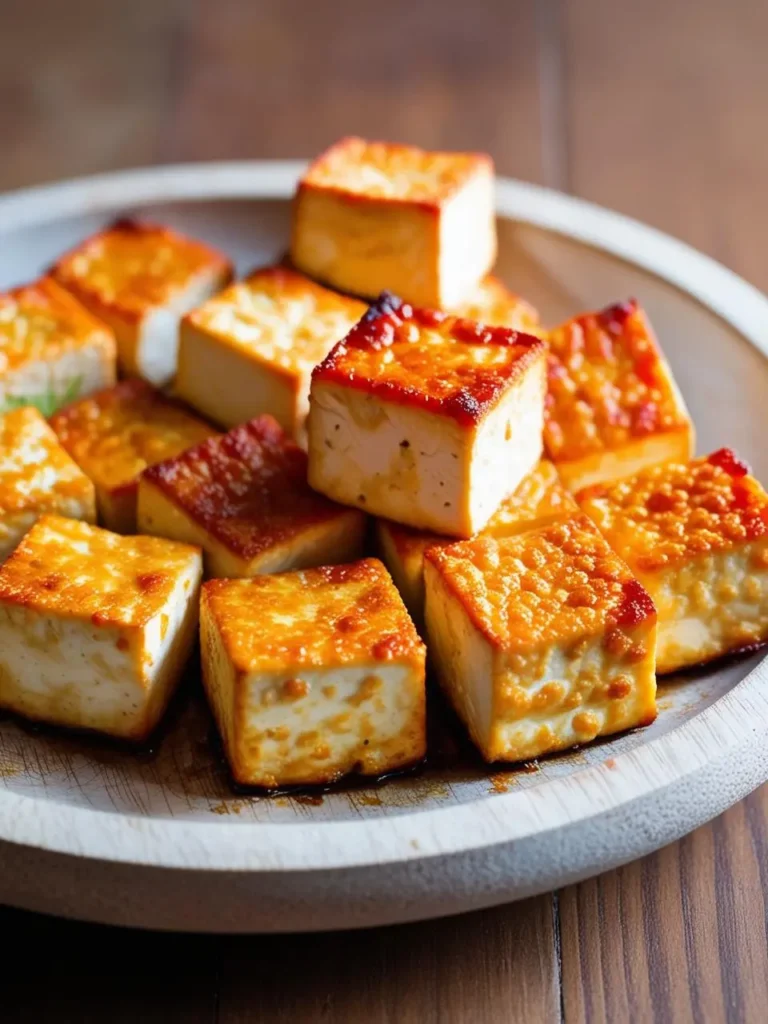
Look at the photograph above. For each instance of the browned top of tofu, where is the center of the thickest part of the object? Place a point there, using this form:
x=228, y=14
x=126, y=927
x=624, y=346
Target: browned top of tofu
x=133, y=267
x=66, y=568
x=549, y=587
x=116, y=433
x=609, y=384
x=248, y=489
x=392, y=172
x=280, y=317
x=538, y=500
x=671, y=514
x=335, y=615
x=493, y=303
x=42, y=322
x=445, y=364
x=35, y=471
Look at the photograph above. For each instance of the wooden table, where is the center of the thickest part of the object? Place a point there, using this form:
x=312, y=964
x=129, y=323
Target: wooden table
x=654, y=107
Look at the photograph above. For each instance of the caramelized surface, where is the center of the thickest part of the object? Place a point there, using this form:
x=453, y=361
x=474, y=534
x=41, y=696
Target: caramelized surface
x=388, y=171
x=42, y=321
x=280, y=317
x=64, y=567
x=608, y=384
x=493, y=303
x=248, y=489
x=446, y=364
x=131, y=267
x=115, y=434
x=335, y=615
x=671, y=514
x=35, y=471
x=552, y=586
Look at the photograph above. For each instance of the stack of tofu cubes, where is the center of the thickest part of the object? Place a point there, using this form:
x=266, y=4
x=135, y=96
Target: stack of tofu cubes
x=531, y=493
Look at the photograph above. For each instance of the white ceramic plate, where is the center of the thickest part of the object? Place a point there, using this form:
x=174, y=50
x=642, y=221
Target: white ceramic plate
x=162, y=842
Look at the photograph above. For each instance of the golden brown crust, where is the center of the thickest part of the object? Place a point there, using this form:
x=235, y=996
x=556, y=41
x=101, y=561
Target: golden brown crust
x=248, y=489
x=493, y=303
x=133, y=267
x=42, y=321
x=547, y=587
x=280, y=317
x=609, y=385
x=448, y=365
x=35, y=471
x=335, y=615
x=120, y=581
x=357, y=169
x=671, y=514
x=116, y=433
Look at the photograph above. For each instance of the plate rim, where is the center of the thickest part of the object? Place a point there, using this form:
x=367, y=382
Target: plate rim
x=682, y=756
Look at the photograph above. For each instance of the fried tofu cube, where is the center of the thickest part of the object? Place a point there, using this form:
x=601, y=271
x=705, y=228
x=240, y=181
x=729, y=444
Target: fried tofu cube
x=252, y=349
x=492, y=303
x=374, y=216
x=114, y=435
x=426, y=419
x=538, y=501
x=312, y=675
x=696, y=535
x=52, y=350
x=140, y=279
x=245, y=500
x=613, y=407
x=37, y=476
x=540, y=641
x=95, y=628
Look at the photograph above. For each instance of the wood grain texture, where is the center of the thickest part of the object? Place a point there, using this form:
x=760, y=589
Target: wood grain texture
x=653, y=107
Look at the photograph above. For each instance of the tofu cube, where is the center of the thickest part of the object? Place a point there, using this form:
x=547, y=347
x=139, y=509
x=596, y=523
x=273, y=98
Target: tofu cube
x=374, y=216
x=95, y=628
x=37, y=476
x=252, y=349
x=538, y=501
x=492, y=303
x=52, y=350
x=312, y=675
x=140, y=279
x=696, y=535
x=613, y=407
x=426, y=419
x=114, y=435
x=540, y=641
x=244, y=499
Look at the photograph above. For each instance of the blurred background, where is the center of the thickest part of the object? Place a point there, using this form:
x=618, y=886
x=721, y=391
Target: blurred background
x=656, y=108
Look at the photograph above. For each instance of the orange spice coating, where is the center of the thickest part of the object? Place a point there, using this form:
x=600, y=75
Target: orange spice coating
x=555, y=585
x=493, y=303
x=391, y=172
x=445, y=364
x=42, y=321
x=248, y=488
x=115, y=434
x=118, y=581
x=280, y=317
x=35, y=472
x=670, y=514
x=132, y=267
x=608, y=384
x=335, y=615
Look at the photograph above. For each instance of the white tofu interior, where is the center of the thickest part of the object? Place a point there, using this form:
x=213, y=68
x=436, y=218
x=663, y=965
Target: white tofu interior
x=157, y=345
x=715, y=604
x=467, y=240
x=415, y=467
x=48, y=384
x=229, y=388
